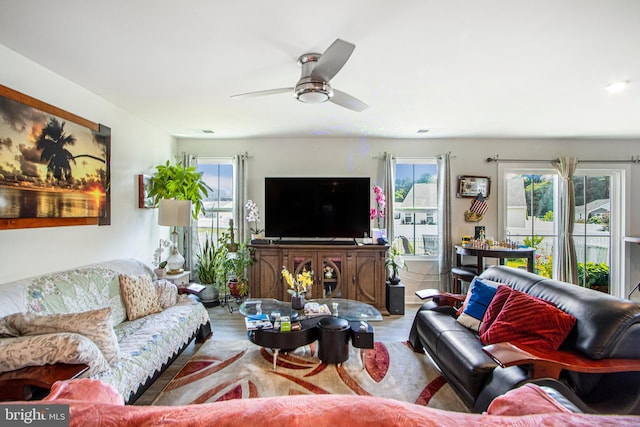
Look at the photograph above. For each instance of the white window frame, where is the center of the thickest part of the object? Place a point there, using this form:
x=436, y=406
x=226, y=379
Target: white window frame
x=618, y=222
x=417, y=160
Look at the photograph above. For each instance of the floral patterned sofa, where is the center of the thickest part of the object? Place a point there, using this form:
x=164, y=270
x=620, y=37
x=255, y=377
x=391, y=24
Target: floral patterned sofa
x=84, y=315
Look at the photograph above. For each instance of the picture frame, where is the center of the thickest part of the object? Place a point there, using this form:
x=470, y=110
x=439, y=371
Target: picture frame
x=471, y=186
x=54, y=165
x=144, y=186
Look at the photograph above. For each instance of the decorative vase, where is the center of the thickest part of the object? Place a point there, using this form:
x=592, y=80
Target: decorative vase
x=161, y=273
x=297, y=302
x=394, y=279
x=328, y=275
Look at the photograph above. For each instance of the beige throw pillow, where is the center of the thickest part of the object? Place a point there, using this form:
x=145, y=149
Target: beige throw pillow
x=139, y=296
x=95, y=325
x=167, y=293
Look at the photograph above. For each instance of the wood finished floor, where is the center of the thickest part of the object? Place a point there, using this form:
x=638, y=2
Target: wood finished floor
x=230, y=326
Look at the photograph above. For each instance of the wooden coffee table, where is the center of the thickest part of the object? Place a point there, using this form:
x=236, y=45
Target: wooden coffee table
x=22, y=383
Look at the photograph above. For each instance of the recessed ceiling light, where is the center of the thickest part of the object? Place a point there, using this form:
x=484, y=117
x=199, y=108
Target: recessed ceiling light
x=617, y=86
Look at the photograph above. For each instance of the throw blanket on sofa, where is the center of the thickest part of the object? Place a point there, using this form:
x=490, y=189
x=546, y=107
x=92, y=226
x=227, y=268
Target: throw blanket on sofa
x=105, y=409
x=75, y=301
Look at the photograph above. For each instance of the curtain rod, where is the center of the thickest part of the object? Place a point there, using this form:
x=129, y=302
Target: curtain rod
x=634, y=159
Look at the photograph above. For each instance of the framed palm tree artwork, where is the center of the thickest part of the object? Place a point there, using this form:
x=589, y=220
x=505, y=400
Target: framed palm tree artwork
x=54, y=165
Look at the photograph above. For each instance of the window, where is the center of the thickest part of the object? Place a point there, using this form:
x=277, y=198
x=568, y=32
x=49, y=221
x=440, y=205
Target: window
x=218, y=174
x=415, y=205
x=530, y=217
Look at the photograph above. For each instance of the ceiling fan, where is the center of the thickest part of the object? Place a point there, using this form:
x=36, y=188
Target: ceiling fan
x=317, y=70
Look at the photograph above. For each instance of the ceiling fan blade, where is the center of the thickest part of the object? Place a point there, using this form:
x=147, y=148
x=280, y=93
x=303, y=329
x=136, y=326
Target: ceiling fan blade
x=263, y=92
x=347, y=101
x=333, y=59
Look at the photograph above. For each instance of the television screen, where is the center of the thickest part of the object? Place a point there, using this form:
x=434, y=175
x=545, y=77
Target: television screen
x=317, y=207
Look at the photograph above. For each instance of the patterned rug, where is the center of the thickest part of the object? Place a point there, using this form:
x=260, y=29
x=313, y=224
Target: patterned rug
x=223, y=370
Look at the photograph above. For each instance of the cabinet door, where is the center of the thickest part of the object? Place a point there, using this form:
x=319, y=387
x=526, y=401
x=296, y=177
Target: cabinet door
x=332, y=276
x=365, y=279
x=265, y=279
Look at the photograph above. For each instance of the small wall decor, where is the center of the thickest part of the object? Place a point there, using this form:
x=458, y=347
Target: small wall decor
x=478, y=208
x=54, y=165
x=144, y=186
x=471, y=186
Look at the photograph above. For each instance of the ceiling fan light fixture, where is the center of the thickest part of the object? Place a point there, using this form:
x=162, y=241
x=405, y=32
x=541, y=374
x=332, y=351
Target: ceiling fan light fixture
x=313, y=92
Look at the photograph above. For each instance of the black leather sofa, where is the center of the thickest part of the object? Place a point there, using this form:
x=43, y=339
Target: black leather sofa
x=606, y=328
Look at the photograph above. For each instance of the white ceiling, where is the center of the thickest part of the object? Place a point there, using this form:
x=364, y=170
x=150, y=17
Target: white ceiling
x=460, y=68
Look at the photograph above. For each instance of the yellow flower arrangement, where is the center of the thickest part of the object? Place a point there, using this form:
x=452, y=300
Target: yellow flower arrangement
x=300, y=283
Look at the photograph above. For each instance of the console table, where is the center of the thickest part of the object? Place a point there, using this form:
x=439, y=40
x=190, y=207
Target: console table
x=357, y=271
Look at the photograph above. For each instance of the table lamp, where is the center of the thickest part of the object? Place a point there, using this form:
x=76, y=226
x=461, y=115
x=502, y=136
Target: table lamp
x=174, y=213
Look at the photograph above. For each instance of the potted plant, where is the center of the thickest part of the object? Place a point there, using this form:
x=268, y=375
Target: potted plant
x=394, y=262
x=177, y=182
x=158, y=263
x=206, y=270
x=239, y=283
x=253, y=216
x=297, y=286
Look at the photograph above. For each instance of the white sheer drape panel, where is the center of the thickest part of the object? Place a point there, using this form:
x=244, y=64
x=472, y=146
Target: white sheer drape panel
x=241, y=196
x=445, y=260
x=567, y=263
x=389, y=183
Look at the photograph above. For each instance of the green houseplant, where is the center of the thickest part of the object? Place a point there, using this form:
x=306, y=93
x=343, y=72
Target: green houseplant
x=177, y=182
x=239, y=264
x=206, y=270
x=394, y=262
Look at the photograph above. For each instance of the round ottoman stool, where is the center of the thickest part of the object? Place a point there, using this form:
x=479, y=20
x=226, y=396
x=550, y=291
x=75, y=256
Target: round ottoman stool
x=333, y=340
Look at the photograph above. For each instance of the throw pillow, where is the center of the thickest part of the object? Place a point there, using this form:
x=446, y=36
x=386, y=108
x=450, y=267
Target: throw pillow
x=95, y=325
x=481, y=294
x=466, y=300
x=527, y=320
x=139, y=296
x=49, y=349
x=167, y=293
x=494, y=308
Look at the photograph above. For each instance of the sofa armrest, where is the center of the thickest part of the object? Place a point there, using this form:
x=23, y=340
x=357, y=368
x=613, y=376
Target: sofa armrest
x=441, y=298
x=549, y=364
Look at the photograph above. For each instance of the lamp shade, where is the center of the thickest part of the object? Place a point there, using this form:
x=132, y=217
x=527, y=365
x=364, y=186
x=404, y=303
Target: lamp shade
x=175, y=213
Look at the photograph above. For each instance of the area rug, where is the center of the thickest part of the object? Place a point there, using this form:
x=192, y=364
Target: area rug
x=224, y=370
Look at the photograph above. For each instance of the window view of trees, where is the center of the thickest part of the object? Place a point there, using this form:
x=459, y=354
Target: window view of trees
x=531, y=219
x=416, y=206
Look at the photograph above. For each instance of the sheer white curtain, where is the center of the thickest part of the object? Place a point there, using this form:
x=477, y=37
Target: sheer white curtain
x=445, y=260
x=190, y=234
x=389, y=183
x=567, y=263
x=240, y=196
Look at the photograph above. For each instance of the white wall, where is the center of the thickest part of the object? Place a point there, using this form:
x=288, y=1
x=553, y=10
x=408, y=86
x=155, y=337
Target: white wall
x=357, y=157
x=136, y=147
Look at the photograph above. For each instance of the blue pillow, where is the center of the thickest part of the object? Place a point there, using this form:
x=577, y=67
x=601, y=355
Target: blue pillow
x=481, y=294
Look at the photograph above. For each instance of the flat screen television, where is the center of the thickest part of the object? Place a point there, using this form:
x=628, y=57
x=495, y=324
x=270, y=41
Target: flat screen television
x=322, y=208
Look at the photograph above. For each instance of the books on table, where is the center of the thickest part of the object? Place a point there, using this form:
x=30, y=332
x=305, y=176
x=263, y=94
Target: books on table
x=258, y=321
x=315, y=309
x=196, y=287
